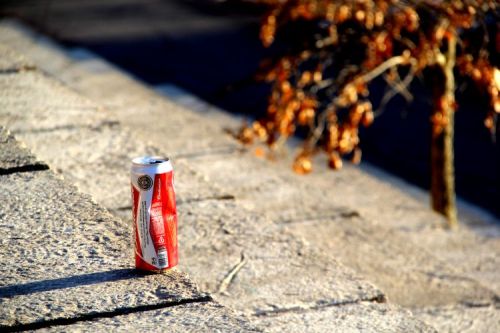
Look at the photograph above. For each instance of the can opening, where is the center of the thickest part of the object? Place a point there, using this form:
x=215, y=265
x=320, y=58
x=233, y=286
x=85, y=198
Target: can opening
x=149, y=160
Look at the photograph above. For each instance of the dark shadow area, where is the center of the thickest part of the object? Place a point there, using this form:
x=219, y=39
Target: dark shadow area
x=70, y=282
x=24, y=168
x=99, y=315
x=212, y=49
x=399, y=142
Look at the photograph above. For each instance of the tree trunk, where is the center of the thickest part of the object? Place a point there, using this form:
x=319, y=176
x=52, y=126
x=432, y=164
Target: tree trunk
x=442, y=164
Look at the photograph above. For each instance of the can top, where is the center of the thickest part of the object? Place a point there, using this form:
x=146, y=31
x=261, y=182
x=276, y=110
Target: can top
x=157, y=164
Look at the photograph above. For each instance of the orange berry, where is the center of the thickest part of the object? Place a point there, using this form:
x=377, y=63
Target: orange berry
x=246, y=135
x=302, y=165
x=368, y=118
x=260, y=152
x=335, y=162
x=488, y=122
x=305, y=78
x=318, y=76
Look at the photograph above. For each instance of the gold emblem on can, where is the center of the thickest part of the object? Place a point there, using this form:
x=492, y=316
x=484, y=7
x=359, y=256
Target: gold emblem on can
x=145, y=182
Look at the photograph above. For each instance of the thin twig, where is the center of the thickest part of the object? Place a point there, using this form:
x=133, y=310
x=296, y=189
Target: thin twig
x=380, y=69
x=231, y=274
x=322, y=85
x=398, y=87
x=318, y=131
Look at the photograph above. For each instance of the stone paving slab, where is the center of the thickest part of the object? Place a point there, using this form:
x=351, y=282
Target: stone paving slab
x=469, y=251
x=63, y=256
x=311, y=210
x=409, y=274
x=278, y=271
x=94, y=146
x=203, y=109
x=97, y=160
x=11, y=61
x=195, y=317
x=14, y=156
x=172, y=128
x=30, y=98
x=251, y=178
x=471, y=255
x=362, y=317
x=26, y=41
x=251, y=181
x=93, y=295
x=462, y=318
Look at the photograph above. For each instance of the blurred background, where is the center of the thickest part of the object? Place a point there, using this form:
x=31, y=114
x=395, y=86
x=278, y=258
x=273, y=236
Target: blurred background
x=212, y=49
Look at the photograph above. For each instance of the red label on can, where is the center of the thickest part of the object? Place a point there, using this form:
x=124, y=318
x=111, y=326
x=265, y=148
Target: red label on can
x=155, y=221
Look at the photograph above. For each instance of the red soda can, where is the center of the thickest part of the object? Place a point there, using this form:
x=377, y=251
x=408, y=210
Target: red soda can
x=154, y=213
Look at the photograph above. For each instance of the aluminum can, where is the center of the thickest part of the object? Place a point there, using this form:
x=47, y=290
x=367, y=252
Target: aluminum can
x=154, y=213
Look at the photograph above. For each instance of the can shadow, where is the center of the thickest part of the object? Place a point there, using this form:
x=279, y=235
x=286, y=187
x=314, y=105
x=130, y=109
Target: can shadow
x=70, y=282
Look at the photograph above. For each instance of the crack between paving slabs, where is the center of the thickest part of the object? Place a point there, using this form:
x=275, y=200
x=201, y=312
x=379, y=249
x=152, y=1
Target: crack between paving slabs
x=381, y=298
x=106, y=314
x=450, y=277
x=213, y=197
x=102, y=124
x=26, y=68
x=495, y=299
x=24, y=168
x=346, y=214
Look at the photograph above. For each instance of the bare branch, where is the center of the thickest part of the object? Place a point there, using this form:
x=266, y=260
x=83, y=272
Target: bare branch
x=398, y=87
x=380, y=69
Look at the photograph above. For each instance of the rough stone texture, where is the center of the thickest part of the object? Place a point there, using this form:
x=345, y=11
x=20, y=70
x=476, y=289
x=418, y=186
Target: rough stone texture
x=197, y=317
x=316, y=211
x=14, y=155
x=79, y=296
x=472, y=248
x=471, y=255
x=203, y=109
x=408, y=274
x=97, y=160
x=463, y=319
x=30, y=101
x=36, y=48
x=171, y=127
x=359, y=317
x=93, y=150
x=255, y=180
x=63, y=256
x=11, y=61
x=281, y=271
